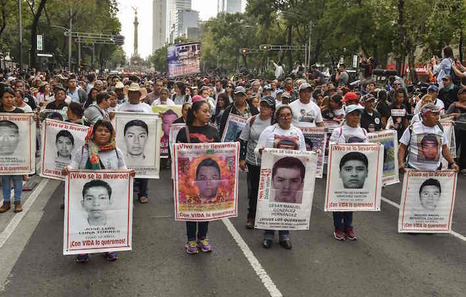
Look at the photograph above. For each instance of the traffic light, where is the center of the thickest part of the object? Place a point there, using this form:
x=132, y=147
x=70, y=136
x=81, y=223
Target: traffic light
x=244, y=51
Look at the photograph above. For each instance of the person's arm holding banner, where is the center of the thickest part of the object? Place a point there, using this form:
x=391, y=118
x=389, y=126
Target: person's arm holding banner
x=451, y=161
x=243, y=140
x=401, y=157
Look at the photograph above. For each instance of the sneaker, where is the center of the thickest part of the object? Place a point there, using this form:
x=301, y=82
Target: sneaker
x=191, y=247
x=267, y=243
x=112, y=256
x=83, y=258
x=285, y=244
x=204, y=245
x=350, y=234
x=339, y=234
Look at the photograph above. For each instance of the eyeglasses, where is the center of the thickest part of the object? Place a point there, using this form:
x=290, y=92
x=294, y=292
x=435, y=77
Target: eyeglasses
x=229, y=87
x=285, y=116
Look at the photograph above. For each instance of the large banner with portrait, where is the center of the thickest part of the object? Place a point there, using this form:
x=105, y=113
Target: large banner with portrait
x=183, y=59
x=233, y=127
x=168, y=113
x=138, y=138
x=60, y=142
x=17, y=144
x=98, y=211
x=389, y=140
x=206, y=181
x=316, y=140
x=286, y=189
x=354, y=178
x=427, y=201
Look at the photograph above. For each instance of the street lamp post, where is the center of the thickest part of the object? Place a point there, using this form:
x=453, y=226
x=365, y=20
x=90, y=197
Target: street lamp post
x=20, y=25
x=69, y=40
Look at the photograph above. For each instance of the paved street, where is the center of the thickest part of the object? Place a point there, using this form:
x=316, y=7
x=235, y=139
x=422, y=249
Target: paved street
x=381, y=263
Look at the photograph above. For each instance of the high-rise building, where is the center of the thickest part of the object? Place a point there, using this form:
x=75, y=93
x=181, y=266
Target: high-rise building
x=173, y=7
x=185, y=19
x=159, y=24
x=228, y=6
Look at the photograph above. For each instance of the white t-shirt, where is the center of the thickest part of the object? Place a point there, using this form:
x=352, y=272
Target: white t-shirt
x=305, y=115
x=25, y=108
x=424, y=146
x=140, y=107
x=273, y=135
x=169, y=102
x=347, y=134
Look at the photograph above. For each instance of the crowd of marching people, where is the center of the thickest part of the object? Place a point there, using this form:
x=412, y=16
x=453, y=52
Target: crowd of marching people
x=280, y=106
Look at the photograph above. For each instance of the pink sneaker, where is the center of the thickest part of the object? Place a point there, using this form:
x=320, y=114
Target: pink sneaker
x=339, y=234
x=350, y=234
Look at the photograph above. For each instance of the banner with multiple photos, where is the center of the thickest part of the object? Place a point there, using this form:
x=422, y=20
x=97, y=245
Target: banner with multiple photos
x=389, y=140
x=316, y=141
x=206, y=181
x=427, y=201
x=354, y=178
x=17, y=144
x=138, y=138
x=235, y=124
x=60, y=142
x=98, y=211
x=286, y=189
x=168, y=113
x=184, y=59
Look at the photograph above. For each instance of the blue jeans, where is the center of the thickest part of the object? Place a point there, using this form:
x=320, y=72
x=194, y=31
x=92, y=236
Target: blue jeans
x=6, y=188
x=343, y=220
x=282, y=234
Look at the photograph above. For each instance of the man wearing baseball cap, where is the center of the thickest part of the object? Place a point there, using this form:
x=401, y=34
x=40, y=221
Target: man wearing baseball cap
x=417, y=139
x=351, y=98
x=305, y=112
x=370, y=118
x=449, y=93
x=240, y=107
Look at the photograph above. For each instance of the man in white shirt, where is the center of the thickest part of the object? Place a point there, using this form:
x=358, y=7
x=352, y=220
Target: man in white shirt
x=305, y=112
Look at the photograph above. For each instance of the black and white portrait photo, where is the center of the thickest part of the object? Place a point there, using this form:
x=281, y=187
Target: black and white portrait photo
x=288, y=180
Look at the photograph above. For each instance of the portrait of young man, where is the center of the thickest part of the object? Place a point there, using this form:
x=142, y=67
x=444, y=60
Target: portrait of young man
x=354, y=170
x=96, y=201
x=9, y=137
x=288, y=180
x=64, y=144
x=135, y=134
x=429, y=194
x=208, y=180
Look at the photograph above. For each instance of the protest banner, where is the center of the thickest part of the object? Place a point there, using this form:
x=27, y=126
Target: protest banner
x=206, y=181
x=56, y=114
x=316, y=141
x=389, y=140
x=183, y=59
x=17, y=144
x=168, y=113
x=60, y=142
x=98, y=211
x=174, y=130
x=427, y=201
x=286, y=189
x=354, y=178
x=138, y=138
x=235, y=124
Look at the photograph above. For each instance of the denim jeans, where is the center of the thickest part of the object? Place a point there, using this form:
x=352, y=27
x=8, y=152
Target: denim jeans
x=253, y=188
x=202, y=228
x=343, y=220
x=6, y=188
x=142, y=186
x=282, y=234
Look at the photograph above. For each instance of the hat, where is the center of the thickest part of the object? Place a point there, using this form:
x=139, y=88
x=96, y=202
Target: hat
x=267, y=88
x=368, y=97
x=305, y=86
x=134, y=87
x=351, y=108
x=119, y=85
x=240, y=90
x=197, y=98
x=58, y=87
x=397, y=82
x=433, y=87
x=461, y=90
x=286, y=95
x=448, y=76
x=350, y=96
x=429, y=108
x=269, y=100
x=279, y=91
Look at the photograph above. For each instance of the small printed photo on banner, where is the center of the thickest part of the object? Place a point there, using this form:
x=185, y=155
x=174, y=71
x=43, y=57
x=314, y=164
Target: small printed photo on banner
x=316, y=141
x=206, y=181
x=235, y=124
x=168, y=114
x=288, y=175
x=427, y=203
x=389, y=140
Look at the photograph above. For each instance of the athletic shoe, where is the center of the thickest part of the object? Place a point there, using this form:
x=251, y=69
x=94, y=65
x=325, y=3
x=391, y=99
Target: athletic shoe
x=204, y=245
x=350, y=234
x=112, y=256
x=339, y=234
x=191, y=247
x=83, y=258
x=267, y=243
x=285, y=244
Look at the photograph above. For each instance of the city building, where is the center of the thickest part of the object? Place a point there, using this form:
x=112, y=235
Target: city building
x=173, y=7
x=186, y=19
x=228, y=6
x=159, y=24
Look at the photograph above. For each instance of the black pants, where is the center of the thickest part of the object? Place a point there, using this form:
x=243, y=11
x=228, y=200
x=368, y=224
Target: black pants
x=142, y=188
x=461, y=144
x=202, y=228
x=253, y=188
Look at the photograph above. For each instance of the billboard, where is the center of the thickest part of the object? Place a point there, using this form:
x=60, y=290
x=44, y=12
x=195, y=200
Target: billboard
x=183, y=59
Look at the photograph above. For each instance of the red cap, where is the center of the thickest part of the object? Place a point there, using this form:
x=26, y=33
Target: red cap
x=197, y=98
x=350, y=96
